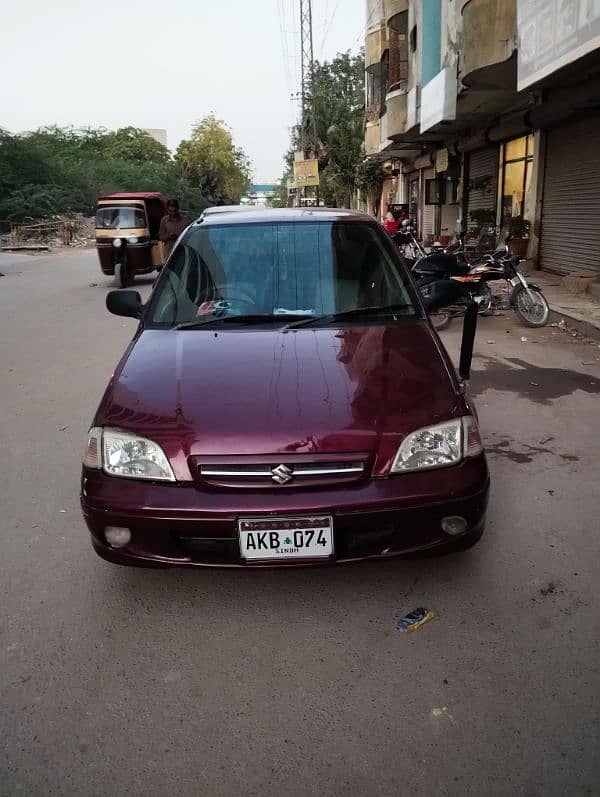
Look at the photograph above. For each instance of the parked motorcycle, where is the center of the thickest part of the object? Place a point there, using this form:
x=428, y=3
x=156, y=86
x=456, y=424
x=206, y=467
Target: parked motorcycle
x=526, y=299
x=410, y=248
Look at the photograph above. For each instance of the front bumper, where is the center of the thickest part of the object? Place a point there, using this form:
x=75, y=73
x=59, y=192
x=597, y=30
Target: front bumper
x=184, y=525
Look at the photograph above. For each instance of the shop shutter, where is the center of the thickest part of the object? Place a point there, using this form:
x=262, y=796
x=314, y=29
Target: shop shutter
x=570, y=233
x=428, y=210
x=483, y=164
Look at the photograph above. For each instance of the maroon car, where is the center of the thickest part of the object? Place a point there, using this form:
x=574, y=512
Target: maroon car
x=285, y=400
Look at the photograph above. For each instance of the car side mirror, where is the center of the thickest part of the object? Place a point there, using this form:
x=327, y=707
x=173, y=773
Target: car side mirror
x=127, y=303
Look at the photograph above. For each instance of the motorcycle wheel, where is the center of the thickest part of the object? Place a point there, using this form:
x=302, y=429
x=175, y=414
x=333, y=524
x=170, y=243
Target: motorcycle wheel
x=440, y=319
x=486, y=306
x=123, y=278
x=531, y=306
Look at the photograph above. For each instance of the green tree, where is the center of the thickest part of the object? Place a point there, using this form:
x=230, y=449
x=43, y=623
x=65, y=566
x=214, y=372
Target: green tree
x=280, y=197
x=134, y=145
x=338, y=88
x=370, y=179
x=336, y=92
x=53, y=171
x=211, y=162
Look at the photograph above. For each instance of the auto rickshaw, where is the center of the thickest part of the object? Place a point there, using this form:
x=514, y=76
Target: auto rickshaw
x=127, y=234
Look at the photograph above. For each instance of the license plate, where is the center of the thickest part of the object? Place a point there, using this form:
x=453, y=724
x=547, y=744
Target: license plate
x=286, y=538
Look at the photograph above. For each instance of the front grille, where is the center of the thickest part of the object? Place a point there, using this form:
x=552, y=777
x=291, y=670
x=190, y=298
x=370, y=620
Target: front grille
x=281, y=473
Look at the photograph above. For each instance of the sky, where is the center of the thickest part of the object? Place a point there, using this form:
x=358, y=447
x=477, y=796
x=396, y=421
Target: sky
x=166, y=65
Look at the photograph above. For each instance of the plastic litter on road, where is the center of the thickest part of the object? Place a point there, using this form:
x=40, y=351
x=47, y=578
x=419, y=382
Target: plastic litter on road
x=413, y=620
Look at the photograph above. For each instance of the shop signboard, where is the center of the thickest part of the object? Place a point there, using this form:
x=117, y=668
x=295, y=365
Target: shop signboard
x=554, y=33
x=441, y=160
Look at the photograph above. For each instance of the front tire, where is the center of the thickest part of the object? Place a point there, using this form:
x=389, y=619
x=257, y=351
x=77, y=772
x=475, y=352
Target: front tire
x=531, y=306
x=440, y=320
x=123, y=278
x=486, y=306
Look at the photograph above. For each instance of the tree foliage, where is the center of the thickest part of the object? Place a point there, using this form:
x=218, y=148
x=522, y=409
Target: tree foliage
x=370, y=179
x=135, y=146
x=337, y=88
x=280, y=197
x=210, y=162
x=55, y=171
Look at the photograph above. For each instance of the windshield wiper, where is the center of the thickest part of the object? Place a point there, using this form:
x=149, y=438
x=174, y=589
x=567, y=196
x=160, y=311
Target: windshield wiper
x=348, y=315
x=242, y=318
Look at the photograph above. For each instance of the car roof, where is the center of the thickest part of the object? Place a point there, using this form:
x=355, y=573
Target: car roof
x=134, y=195
x=257, y=215
x=211, y=211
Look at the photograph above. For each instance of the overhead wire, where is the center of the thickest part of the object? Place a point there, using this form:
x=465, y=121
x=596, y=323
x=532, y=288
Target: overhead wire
x=284, y=45
x=328, y=27
x=324, y=27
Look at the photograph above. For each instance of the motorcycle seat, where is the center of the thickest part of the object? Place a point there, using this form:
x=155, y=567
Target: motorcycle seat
x=440, y=265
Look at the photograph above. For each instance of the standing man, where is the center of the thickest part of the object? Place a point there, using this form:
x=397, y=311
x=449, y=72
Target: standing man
x=171, y=226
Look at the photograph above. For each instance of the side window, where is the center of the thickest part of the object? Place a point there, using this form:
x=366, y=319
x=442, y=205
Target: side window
x=185, y=285
x=140, y=219
x=366, y=275
x=413, y=39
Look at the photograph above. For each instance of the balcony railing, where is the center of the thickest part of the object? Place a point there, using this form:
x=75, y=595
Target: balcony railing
x=372, y=138
x=395, y=114
x=394, y=7
x=489, y=40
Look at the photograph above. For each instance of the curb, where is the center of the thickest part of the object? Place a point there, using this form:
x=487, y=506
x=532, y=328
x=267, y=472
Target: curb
x=579, y=325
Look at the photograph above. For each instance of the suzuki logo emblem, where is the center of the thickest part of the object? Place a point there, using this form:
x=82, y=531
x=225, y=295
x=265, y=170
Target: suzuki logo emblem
x=282, y=474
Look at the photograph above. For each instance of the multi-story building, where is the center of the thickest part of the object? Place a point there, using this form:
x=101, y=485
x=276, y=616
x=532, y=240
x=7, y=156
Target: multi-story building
x=486, y=110
x=158, y=134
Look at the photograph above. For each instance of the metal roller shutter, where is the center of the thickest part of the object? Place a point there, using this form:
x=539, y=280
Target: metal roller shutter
x=428, y=212
x=483, y=164
x=570, y=234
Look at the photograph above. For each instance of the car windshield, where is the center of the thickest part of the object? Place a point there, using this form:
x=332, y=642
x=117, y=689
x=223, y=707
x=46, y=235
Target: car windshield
x=279, y=271
x=120, y=217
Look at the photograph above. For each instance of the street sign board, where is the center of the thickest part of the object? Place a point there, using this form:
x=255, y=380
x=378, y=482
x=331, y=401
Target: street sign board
x=306, y=172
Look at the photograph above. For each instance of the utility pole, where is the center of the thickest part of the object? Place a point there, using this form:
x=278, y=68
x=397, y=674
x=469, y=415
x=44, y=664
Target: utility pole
x=308, y=132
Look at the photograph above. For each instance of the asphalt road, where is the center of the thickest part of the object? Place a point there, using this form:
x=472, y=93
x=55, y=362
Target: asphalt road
x=119, y=681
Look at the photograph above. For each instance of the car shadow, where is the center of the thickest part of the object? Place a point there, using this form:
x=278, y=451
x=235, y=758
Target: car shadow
x=225, y=593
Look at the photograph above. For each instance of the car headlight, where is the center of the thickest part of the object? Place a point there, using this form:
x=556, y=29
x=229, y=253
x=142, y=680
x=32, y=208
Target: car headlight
x=126, y=454
x=438, y=446
x=117, y=242
x=132, y=240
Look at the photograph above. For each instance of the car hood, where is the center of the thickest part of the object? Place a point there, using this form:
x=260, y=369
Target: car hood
x=257, y=391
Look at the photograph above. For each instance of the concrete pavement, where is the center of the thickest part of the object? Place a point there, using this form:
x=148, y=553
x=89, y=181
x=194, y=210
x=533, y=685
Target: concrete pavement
x=579, y=311
x=118, y=681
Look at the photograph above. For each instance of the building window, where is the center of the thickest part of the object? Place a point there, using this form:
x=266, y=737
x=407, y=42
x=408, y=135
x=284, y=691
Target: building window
x=397, y=76
x=375, y=90
x=413, y=39
x=515, y=184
